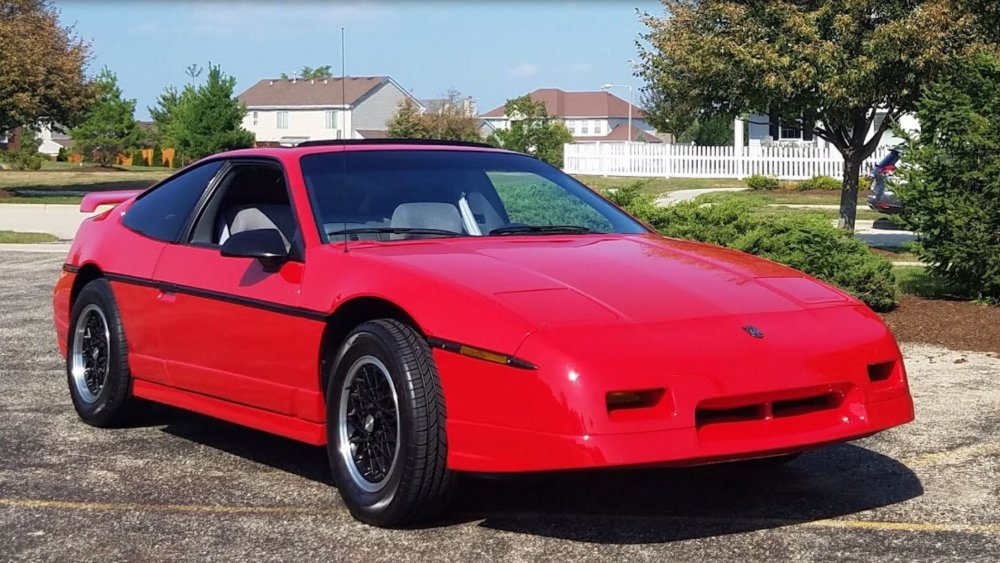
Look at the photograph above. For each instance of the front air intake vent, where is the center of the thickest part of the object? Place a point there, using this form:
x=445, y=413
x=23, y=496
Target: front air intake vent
x=881, y=372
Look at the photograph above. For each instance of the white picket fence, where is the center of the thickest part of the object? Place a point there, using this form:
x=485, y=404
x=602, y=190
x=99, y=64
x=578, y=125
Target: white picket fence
x=666, y=160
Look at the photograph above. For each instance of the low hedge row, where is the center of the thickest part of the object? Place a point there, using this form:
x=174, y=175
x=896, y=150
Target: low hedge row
x=805, y=242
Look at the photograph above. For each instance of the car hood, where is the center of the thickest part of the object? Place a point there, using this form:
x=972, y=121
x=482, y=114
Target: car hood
x=555, y=281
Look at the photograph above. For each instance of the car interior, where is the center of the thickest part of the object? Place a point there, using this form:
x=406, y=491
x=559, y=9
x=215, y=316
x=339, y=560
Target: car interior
x=249, y=197
x=441, y=201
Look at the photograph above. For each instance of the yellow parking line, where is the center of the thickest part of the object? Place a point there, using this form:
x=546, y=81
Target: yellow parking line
x=905, y=526
x=955, y=455
x=871, y=525
x=207, y=508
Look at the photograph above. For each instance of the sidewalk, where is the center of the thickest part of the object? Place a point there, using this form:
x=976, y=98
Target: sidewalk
x=61, y=220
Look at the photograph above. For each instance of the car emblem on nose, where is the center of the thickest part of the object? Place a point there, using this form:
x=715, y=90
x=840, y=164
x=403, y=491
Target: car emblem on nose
x=753, y=331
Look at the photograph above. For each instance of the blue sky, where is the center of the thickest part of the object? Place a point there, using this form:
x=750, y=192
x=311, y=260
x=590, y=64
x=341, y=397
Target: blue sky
x=491, y=50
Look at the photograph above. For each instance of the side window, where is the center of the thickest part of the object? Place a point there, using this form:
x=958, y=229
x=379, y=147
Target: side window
x=251, y=196
x=163, y=212
x=533, y=200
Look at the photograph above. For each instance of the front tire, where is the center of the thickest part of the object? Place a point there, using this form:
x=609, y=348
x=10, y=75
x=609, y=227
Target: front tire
x=386, y=437
x=100, y=384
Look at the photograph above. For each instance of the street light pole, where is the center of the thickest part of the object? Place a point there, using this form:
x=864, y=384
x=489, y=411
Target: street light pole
x=609, y=86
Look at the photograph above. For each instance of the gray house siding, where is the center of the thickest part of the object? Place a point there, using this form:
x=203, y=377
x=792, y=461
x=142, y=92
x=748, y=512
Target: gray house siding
x=373, y=111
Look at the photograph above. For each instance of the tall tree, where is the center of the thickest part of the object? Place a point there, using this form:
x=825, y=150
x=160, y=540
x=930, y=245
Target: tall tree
x=207, y=119
x=532, y=130
x=42, y=67
x=952, y=196
x=826, y=65
x=109, y=128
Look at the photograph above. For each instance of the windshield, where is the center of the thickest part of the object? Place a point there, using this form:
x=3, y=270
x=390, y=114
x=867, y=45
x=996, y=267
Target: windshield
x=393, y=195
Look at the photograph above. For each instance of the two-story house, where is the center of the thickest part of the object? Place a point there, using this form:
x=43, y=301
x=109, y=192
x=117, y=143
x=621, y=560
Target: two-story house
x=589, y=116
x=293, y=110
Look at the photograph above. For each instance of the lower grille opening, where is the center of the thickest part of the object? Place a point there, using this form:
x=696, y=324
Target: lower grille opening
x=705, y=416
x=803, y=406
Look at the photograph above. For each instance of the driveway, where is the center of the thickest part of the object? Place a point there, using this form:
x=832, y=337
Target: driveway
x=179, y=486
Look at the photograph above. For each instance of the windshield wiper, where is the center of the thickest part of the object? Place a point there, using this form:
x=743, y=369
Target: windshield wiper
x=395, y=231
x=540, y=229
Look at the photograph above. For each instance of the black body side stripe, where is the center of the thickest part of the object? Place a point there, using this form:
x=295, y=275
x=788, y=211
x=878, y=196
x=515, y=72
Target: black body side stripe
x=219, y=296
x=321, y=316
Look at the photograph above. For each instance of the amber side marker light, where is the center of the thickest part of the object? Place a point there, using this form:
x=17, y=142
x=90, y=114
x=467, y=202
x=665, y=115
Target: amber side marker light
x=618, y=400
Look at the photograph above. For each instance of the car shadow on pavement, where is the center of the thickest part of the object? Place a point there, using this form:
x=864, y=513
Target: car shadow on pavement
x=622, y=506
x=273, y=451
x=665, y=505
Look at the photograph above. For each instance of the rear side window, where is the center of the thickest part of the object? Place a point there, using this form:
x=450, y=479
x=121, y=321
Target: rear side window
x=161, y=213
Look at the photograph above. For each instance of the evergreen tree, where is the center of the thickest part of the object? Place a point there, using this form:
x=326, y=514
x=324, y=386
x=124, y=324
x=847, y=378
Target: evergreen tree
x=109, y=128
x=208, y=119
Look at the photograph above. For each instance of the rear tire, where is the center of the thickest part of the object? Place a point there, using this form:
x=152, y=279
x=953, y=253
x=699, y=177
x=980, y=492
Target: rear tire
x=100, y=383
x=386, y=437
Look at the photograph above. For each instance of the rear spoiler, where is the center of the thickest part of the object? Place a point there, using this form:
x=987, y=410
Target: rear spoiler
x=93, y=200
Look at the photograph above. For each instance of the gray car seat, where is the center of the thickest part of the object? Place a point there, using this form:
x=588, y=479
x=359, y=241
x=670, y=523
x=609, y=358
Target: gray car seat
x=426, y=215
x=262, y=216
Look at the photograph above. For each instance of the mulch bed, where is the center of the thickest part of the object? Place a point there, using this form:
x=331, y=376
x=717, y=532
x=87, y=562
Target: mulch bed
x=958, y=325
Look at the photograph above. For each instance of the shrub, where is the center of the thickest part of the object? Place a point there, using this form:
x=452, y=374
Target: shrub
x=27, y=157
x=137, y=158
x=821, y=183
x=63, y=155
x=157, y=158
x=808, y=243
x=758, y=182
x=952, y=193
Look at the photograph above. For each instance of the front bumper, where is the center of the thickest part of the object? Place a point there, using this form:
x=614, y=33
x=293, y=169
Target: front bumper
x=819, y=377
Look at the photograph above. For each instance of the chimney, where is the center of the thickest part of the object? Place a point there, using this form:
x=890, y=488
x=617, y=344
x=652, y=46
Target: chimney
x=325, y=81
x=312, y=81
x=272, y=83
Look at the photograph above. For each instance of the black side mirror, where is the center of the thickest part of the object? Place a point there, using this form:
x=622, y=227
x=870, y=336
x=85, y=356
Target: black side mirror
x=266, y=245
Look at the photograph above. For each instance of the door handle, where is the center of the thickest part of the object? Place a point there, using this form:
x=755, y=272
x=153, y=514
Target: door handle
x=168, y=292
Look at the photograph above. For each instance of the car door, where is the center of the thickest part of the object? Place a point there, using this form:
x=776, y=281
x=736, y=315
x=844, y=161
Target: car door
x=152, y=222
x=229, y=328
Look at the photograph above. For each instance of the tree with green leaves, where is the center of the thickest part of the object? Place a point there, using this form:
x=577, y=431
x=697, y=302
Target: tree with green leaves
x=26, y=156
x=532, y=130
x=408, y=122
x=202, y=119
x=708, y=131
x=42, y=67
x=952, y=195
x=310, y=73
x=447, y=121
x=829, y=66
x=109, y=128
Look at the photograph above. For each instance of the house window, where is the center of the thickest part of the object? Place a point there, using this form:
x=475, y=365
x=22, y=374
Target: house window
x=572, y=129
x=331, y=119
x=281, y=120
x=790, y=132
x=584, y=129
x=255, y=116
x=597, y=128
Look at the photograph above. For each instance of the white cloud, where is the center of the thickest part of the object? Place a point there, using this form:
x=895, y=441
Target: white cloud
x=524, y=70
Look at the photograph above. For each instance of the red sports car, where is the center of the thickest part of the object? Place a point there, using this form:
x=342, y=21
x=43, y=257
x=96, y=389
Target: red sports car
x=424, y=309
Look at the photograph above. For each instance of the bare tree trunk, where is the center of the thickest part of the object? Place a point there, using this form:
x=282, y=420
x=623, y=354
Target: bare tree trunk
x=849, y=194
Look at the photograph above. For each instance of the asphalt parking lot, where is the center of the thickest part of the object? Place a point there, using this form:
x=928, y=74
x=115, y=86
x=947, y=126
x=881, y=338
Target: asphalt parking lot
x=182, y=486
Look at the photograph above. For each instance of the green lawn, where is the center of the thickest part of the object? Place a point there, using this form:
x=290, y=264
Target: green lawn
x=15, y=237
x=922, y=283
x=832, y=214
x=66, y=184
x=657, y=186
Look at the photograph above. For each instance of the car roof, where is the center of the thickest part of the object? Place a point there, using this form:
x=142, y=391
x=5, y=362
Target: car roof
x=315, y=147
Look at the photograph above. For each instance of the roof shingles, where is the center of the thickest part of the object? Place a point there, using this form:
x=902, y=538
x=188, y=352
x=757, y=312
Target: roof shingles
x=577, y=104
x=309, y=92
